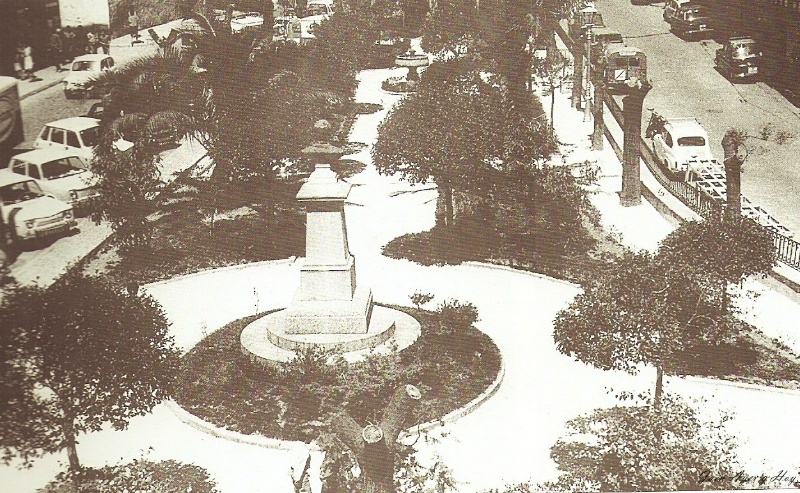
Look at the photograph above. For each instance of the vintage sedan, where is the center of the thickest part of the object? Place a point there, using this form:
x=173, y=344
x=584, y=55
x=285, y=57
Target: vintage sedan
x=78, y=134
x=79, y=82
x=27, y=213
x=59, y=173
x=738, y=58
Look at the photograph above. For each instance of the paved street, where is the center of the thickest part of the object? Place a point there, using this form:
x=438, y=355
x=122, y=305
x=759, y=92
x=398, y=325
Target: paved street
x=43, y=102
x=685, y=84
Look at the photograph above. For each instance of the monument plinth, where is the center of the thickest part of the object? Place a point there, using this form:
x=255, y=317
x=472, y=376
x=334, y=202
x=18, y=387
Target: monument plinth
x=328, y=300
x=329, y=310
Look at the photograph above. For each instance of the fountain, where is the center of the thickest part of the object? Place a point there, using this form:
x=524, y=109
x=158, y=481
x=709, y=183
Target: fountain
x=413, y=61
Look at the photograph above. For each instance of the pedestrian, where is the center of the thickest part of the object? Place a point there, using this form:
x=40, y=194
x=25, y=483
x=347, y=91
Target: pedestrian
x=69, y=44
x=91, y=41
x=56, y=46
x=105, y=41
x=27, y=63
x=79, y=44
x=19, y=59
x=133, y=27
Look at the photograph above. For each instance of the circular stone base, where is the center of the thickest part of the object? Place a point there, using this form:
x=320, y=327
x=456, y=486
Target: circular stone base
x=266, y=342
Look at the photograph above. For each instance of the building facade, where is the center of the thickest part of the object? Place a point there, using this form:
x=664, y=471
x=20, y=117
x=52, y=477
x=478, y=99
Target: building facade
x=32, y=21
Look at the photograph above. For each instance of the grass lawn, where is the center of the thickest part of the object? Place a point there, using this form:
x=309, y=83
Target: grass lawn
x=220, y=385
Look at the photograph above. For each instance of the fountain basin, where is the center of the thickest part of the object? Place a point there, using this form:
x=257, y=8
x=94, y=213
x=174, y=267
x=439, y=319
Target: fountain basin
x=414, y=61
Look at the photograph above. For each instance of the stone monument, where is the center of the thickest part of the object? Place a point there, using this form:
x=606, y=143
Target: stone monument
x=328, y=301
x=329, y=310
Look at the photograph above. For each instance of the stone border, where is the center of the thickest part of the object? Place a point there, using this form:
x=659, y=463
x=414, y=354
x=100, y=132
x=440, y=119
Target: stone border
x=739, y=385
x=274, y=443
x=456, y=414
x=281, y=261
x=486, y=265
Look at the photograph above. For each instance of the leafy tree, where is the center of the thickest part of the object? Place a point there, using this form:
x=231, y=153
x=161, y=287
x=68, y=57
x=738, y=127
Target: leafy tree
x=640, y=311
x=459, y=130
x=166, y=476
x=720, y=252
x=644, y=448
x=76, y=356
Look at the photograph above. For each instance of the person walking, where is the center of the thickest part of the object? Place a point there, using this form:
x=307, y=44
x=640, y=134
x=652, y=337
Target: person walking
x=91, y=41
x=19, y=60
x=69, y=44
x=27, y=63
x=133, y=27
x=56, y=46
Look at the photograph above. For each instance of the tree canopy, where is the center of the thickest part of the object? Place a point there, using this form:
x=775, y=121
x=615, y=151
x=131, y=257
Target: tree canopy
x=640, y=448
x=75, y=356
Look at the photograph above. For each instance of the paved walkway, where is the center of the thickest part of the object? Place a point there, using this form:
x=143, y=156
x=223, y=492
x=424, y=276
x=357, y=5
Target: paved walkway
x=505, y=440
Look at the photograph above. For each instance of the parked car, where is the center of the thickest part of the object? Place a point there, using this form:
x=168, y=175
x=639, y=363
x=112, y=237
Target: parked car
x=738, y=58
x=27, y=213
x=687, y=18
x=78, y=134
x=247, y=21
x=59, y=173
x=79, y=82
x=678, y=141
x=319, y=7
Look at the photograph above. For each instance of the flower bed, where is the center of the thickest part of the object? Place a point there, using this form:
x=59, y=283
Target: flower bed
x=452, y=364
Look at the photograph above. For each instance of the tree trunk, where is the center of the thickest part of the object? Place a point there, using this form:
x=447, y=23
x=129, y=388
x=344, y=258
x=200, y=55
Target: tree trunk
x=659, y=387
x=577, y=80
x=269, y=19
x=597, y=109
x=631, y=194
x=449, y=214
x=69, y=444
x=552, y=109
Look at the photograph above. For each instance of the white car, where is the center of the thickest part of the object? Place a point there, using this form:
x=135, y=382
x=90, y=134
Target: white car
x=679, y=141
x=78, y=134
x=59, y=173
x=79, y=82
x=246, y=21
x=28, y=213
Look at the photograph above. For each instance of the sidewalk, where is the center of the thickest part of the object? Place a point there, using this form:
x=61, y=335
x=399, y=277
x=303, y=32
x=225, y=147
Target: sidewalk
x=120, y=50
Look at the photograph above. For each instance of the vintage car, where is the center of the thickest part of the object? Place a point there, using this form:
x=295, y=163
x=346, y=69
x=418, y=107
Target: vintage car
x=78, y=134
x=583, y=18
x=687, y=18
x=678, y=141
x=59, y=173
x=79, y=82
x=738, y=58
x=27, y=213
x=246, y=22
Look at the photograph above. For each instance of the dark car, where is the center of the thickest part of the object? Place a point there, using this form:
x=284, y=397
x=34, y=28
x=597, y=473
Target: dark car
x=738, y=58
x=686, y=18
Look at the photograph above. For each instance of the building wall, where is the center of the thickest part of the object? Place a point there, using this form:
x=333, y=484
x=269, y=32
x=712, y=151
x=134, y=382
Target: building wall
x=84, y=12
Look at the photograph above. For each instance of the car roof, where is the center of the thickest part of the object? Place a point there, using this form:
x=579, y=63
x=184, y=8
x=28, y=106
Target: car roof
x=7, y=82
x=91, y=57
x=39, y=156
x=623, y=49
x=604, y=31
x=9, y=178
x=685, y=127
x=741, y=39
x=77, y=123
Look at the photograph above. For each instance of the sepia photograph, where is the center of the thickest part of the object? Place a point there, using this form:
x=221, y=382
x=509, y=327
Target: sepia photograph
x=399, y=246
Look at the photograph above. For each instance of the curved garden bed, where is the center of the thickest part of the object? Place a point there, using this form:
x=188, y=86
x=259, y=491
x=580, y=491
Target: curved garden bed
x=451, y=363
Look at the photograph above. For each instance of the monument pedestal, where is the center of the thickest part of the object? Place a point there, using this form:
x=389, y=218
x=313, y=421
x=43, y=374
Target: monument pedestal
x=330, y=316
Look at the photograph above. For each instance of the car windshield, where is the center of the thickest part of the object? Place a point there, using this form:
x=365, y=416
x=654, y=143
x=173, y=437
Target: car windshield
x=89, y=137
x=691, y=141
x=84, y=66
x=693, y=14
x=60, y=168
x=20, y=192
x=741, y=50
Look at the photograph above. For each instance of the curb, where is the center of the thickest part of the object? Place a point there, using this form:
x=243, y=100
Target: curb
x=259, y=440
x=459, y=413
x=203, y=272
x=739, y=385
x=505, y=268
x=40, y=89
